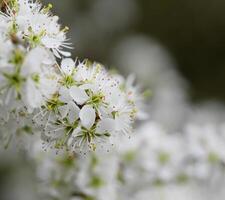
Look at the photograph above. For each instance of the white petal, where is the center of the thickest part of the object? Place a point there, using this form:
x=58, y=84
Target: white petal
x=78, y=95
x=64, y=95
x=65, y=53
x=32, y=96
x=56, y=53
x=74, y=134
x=73, y=112
x=31, y=64
x=63, y=110
x=67, y=65
x=130, y=80
x=104, y=112
x=87, y=116
x=76, y=131
x=106, y=125
x=123, y=124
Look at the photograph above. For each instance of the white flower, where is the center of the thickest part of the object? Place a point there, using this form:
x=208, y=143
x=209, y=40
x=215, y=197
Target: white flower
x=17, y=131
x=27, y=78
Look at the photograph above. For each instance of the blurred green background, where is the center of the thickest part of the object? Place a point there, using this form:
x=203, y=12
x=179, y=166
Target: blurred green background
x=193, y=31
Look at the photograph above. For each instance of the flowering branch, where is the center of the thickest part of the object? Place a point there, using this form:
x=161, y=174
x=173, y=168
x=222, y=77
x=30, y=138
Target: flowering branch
x=77, y=106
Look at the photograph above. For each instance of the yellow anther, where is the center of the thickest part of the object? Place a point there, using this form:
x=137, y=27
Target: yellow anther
x=47, y=8
x=65, y=29
x=50, y=6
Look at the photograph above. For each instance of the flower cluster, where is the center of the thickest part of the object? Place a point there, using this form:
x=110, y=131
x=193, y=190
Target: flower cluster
x=29, y=22
x=91, y=108
x=76, y=106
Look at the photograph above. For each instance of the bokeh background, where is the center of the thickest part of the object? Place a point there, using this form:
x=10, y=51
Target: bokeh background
x=176, y=48
x=192, y=32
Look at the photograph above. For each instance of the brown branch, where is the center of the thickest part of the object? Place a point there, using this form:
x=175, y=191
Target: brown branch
x=3, y=5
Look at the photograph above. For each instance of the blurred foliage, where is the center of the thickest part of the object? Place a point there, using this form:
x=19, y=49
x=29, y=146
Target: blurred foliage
x=193, y=31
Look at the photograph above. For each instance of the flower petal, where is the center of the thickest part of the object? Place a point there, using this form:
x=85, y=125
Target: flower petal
x=106, y=125
x=64, y=95
x=73, y=112
x=63, y=110
x=73, y=138
x=67, y=66
x=78, y=95
x=87, y=116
